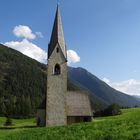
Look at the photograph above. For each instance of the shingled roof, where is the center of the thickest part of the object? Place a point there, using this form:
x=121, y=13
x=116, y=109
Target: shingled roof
x=78, y=104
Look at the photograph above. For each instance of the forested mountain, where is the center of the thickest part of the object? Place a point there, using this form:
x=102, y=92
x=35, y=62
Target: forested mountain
x=100, y=89
x=22, y=82
x=23, y=85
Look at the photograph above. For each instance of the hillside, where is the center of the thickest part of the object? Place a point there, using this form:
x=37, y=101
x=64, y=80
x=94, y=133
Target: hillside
x=121, y=127
x=22, y=82
x=23, y=85
x=137, y=97
x=100, y=89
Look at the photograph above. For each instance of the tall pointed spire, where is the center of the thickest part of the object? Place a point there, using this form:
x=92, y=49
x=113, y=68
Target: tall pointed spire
x=57, y=36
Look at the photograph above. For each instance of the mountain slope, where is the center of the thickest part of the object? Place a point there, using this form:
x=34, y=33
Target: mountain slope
x=22, y=82
x=23, y=85
x=99, y=88
x=137, y=97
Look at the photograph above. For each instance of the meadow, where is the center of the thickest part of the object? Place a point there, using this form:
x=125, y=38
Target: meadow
x=122, y=127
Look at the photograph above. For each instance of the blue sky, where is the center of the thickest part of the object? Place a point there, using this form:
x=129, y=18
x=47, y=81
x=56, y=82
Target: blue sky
x=104, y=33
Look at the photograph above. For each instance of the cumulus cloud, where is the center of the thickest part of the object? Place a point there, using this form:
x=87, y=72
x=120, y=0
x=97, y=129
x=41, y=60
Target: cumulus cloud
x=32, y=50
x=39, y=34
x=24, y=31
x=28, y=48
x=131, y=86
x=106, y=80
x=73, y=57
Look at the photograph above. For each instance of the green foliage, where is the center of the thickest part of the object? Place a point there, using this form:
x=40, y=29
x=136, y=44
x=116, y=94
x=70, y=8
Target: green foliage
x=121, y=127
x=22, y=83
x=112, y=110
x=72, y=86
x=8, y=121
x=17, y=123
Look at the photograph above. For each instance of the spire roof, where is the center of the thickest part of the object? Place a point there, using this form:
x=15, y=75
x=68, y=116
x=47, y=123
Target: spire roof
x=57, y=36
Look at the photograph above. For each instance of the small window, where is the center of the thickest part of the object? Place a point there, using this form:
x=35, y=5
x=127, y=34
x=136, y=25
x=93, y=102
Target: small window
x=57, y=69
x=57, y=50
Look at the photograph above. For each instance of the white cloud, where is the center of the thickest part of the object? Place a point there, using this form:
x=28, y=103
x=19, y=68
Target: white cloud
x=39, y=34
x=106, y=80
x=32, y=50
x=131, y=86
x=24, y=31
x=73, y=57
x=28, y=48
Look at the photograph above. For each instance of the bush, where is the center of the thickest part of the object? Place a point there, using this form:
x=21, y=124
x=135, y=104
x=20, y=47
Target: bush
x=8, y=121
x=112, y=110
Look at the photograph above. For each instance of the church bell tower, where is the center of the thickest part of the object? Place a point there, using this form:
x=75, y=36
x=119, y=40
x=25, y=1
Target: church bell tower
x=56, y=76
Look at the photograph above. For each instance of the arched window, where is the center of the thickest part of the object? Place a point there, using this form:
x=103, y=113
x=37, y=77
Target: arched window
x=57, y=69
x=57, y=50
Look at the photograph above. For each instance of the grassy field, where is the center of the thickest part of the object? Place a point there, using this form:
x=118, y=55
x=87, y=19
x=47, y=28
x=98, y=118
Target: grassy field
x=122, y=127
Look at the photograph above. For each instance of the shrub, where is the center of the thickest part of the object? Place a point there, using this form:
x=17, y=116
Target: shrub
x=112, y=110
x=8, y=121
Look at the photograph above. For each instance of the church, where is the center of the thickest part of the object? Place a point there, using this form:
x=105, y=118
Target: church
x=61, y=107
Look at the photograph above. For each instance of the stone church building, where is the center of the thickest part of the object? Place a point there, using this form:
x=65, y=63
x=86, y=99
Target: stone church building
x=61, y=107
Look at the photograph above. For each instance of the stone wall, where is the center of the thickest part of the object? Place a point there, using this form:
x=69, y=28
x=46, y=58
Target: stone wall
x=56, y=90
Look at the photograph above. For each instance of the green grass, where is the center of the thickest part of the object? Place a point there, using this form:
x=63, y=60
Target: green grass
x=17, y=123
x=122, y=127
